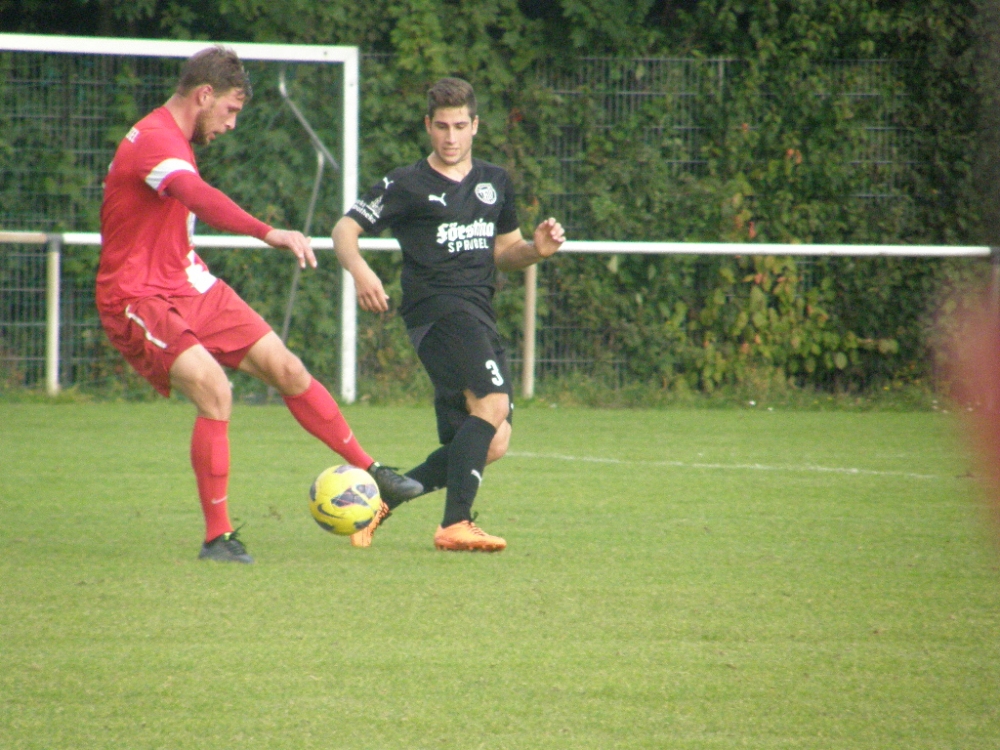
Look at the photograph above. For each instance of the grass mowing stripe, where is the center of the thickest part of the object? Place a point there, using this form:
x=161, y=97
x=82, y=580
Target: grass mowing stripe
x=634, y=608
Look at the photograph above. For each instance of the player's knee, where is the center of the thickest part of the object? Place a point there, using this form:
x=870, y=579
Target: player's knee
x=211, y=392
x=499, y=444
x=290, y=376
x=500, y=414
x=494, y=408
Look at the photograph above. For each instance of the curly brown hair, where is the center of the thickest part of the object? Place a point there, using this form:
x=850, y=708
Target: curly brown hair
x=217, y=66
x=451, y=92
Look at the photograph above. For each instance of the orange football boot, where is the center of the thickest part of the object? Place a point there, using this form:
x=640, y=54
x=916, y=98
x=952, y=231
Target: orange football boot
x=466, y=536
x=363, y=538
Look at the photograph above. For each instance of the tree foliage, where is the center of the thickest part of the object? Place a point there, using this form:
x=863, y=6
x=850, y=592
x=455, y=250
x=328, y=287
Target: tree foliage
x=785, y=155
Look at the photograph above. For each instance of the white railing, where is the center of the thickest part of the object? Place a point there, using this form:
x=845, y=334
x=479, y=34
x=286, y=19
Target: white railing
x=348, y=322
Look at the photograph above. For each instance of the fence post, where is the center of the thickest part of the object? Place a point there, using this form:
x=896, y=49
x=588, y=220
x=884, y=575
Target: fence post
x=530, y=309
x=52, y=294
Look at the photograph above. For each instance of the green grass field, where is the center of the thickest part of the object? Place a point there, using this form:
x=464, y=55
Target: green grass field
x=674, y=579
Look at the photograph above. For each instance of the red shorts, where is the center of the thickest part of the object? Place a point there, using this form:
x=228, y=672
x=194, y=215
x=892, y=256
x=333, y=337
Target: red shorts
x=152, y=332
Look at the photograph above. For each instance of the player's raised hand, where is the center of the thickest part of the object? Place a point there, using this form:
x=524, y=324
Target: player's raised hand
x=549, y=237
x=371, y=294
x=294, y=241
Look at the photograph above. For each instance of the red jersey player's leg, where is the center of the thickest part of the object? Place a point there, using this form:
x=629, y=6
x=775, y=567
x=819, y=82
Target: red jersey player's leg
x=316, y=410
x=154, y=334
x=196, y=374
x=210, y=461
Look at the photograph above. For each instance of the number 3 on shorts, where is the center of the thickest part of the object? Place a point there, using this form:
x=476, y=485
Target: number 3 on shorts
x=492, y=367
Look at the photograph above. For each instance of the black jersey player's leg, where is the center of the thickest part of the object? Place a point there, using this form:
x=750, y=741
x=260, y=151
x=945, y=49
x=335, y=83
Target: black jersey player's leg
x=452, y=414
x=465, y=362
x=451, y=411
x=466, y=461
x=467, y=457
x=432, y=473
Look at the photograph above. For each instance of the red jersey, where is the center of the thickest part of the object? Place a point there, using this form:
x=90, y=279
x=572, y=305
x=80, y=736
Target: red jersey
x=147, y=236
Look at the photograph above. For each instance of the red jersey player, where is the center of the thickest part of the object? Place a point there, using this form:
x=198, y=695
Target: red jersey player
x=176, y=323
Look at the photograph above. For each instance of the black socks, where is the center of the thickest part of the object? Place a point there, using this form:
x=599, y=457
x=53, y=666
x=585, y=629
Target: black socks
x=466, y=461
x=432, y=473
x=459, y=467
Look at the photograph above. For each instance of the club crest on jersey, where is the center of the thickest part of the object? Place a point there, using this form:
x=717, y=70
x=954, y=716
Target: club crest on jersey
x=486, y=193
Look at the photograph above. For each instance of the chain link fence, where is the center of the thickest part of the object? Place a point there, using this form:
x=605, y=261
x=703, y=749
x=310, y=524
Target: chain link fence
x=61, y=117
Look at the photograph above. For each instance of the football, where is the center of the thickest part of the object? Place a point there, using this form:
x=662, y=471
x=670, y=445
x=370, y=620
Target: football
x=343, y=499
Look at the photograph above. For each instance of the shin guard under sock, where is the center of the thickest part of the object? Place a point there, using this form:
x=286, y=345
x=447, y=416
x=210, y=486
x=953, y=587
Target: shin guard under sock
x=316, y=410
x=210, y=460
x=466, y=461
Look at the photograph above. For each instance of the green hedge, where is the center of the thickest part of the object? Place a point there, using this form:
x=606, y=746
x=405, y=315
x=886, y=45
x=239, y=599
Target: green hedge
x=782, y=158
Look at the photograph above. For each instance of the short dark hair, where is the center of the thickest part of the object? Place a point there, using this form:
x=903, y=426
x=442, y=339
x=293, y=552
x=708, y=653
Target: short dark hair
x=217, y=66
x=451, y=92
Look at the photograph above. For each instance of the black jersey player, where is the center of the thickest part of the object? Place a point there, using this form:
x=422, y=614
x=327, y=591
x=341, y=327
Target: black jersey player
x=455, y=219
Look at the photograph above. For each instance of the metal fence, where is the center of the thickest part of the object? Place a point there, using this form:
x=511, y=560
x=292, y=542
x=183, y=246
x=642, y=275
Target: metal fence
x=619, y=89
x=49, y=340
x=58, y=113
x=80, y=103
x=22, y=329
x=63, y=337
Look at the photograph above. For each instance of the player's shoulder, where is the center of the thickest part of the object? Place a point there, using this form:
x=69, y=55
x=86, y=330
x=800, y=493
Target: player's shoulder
x=158, y=126
x=489, y=169
x=486, y=173
x=406, y=175
x=402, y=183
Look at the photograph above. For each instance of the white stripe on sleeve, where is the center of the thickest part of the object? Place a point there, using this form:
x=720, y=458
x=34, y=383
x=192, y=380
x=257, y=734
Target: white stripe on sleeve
x=166, y=168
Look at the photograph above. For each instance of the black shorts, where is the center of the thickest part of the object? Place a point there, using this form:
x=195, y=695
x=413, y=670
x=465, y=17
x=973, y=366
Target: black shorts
x=460, y=352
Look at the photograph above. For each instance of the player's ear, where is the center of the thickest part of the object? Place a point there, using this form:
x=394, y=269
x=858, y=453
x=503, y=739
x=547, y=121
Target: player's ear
x=203, y=94
x=475, y=124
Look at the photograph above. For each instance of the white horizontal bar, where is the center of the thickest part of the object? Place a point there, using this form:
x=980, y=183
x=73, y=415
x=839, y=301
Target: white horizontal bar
x=97, y=45
x=578, y=246
x=81, y=238
x=24, y=238
x=212, y=240
x=754, y=248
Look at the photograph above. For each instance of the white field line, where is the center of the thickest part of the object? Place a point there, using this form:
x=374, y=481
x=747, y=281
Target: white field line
x=725, y=467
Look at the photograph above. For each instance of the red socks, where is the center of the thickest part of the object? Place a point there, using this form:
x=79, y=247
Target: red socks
x=319, y=414
x=315, y=410
x=210, y=459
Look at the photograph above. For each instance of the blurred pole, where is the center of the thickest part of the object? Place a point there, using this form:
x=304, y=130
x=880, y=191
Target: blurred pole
x=995, y=281
x=993, y=317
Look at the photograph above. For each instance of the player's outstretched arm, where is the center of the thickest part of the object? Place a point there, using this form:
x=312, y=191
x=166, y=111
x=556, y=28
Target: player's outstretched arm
x=294, y=241
x=512, y=252
x=216, y=208
x=371, y=294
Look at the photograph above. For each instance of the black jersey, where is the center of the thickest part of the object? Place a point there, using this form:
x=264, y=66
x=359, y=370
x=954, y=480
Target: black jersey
x=447, y=231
